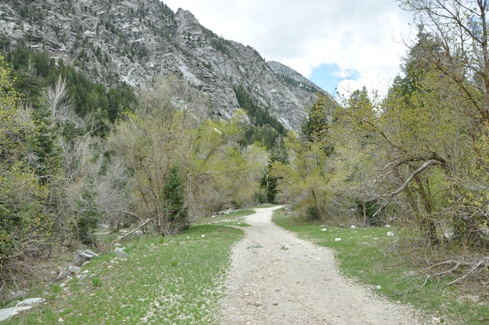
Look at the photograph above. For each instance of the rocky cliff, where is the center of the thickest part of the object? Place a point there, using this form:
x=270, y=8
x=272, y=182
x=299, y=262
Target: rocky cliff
x=135, y=40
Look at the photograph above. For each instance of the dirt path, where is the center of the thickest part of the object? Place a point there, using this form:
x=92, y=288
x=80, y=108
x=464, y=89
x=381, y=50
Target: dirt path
x=276, y=278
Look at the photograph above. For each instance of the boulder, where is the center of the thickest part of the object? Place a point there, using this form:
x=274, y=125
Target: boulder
x=61, y=275
x=83, y=256
x=74, y=269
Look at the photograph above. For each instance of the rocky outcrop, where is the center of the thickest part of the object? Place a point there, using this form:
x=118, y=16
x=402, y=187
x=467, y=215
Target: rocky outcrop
x=135, y=40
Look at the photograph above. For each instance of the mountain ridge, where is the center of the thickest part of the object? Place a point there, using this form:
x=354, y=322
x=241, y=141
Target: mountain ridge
x=134, y=41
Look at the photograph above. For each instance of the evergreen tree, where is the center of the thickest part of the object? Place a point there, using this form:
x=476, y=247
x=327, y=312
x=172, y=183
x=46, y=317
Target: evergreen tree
x=269, y=183
x=174, y=199
x=316, y=127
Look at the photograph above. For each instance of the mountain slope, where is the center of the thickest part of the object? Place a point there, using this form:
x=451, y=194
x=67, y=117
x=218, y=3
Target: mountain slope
x=136, y=40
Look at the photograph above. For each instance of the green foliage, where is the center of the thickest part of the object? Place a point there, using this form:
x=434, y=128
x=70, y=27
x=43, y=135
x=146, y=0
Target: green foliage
x=316, y=127
x=179, y=167
x=312, y=213
x=86, y=219
x=263, y=135
x=226, y=174
x=303, y=179
x=258, y=114
x=147, y=144
x=26, y=230
x=35, y=70
x=174, y=198
x=265, y=129
x=46, y=148
x=305, y=176
x=269, y=183
x=220, y=44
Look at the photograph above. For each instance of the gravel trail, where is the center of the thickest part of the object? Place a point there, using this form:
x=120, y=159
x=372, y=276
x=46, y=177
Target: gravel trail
x=276, y=278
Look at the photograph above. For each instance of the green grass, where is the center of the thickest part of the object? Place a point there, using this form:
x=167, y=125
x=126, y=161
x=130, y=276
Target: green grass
x=175, y=280
x=368, y=254
x=96, y=282
x=233, y=219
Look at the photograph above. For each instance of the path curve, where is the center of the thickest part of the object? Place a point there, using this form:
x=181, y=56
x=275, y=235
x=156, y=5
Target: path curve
x=276, y=278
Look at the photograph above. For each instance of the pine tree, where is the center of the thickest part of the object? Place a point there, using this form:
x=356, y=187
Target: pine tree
x=268, y=182
x=174, y=200
x=316, y=128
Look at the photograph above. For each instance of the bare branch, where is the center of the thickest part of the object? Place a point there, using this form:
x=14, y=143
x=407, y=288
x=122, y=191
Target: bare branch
x=60, y=108
x=130, y=213
x=480, y=264
x=132, y=231
x=406, y=183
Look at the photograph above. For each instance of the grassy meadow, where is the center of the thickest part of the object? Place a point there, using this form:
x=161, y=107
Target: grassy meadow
x=173, y=280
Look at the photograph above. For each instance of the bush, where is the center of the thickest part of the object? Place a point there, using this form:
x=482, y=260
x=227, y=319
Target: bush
x=312, y=213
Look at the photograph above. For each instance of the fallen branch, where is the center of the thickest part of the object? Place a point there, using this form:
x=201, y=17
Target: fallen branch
x=119, y=226
x=132, y=231
x=473, y=267
x=482, y=263
x=453, y=269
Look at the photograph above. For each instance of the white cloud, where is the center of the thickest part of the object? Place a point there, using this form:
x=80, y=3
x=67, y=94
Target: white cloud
x=357, y=35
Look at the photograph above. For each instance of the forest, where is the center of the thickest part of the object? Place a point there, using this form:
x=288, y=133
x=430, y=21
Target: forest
x=75, y=155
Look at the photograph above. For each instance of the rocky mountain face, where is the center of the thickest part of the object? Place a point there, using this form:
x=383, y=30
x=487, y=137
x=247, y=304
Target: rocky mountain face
x=136, y=40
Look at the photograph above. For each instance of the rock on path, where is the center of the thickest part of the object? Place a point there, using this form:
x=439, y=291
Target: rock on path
x=276, y=278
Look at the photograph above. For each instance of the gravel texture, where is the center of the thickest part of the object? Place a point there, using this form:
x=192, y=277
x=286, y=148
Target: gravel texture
x=276, y=278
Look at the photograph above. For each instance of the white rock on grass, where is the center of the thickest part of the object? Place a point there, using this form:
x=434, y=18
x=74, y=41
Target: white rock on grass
x=120, y=252
x=20, y=307
x=90, y=253
x=9, y=312
x=30, y=302
x=337, y=239
x=390, y=234
x=83, y=256
x=324, y=229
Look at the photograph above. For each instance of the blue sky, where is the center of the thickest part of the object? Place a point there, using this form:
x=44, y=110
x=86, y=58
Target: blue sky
x=328, y=76
x=325, y=41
